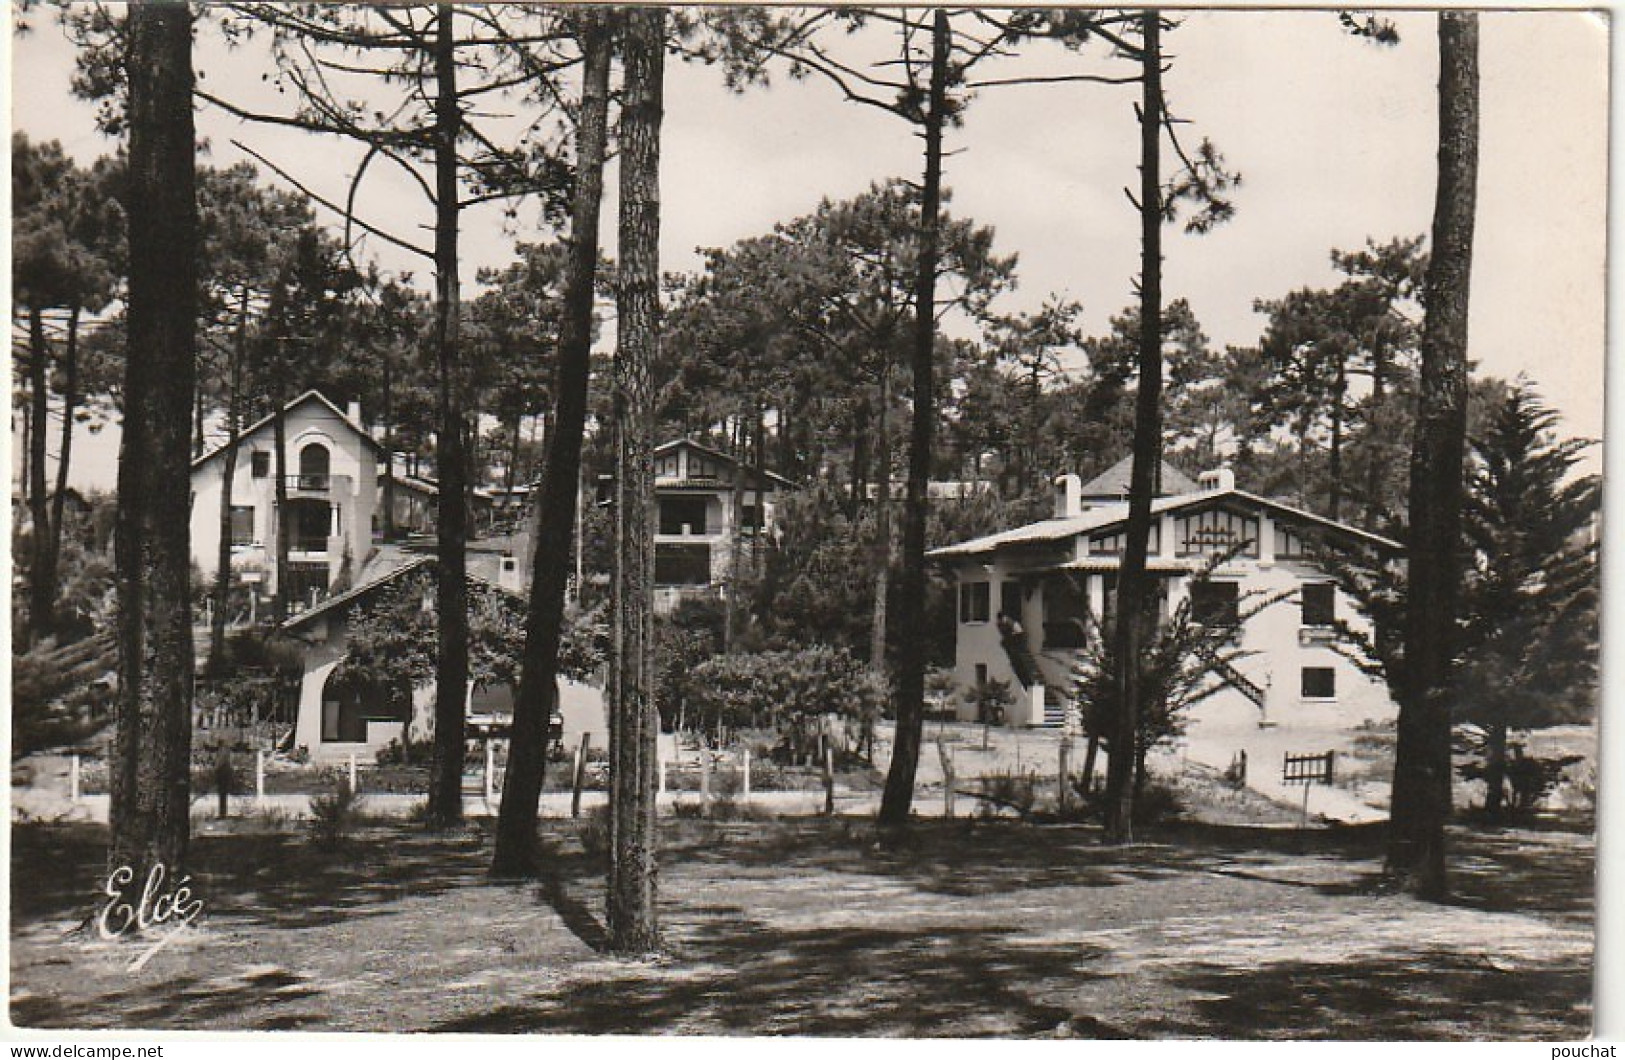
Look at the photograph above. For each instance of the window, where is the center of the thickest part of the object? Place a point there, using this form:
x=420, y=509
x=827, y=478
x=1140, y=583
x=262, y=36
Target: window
x=1216, y=603
x=973, y=602
x=1319, y=682
x=1319, y=604
x=260, y=461
x=676, y=513
x=682, y=565
x=242, y=524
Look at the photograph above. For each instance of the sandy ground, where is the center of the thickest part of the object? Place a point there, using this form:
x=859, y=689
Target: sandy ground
x=810, y=927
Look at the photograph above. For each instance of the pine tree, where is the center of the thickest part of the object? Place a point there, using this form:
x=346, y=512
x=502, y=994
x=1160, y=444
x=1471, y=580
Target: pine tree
x=1530, y=590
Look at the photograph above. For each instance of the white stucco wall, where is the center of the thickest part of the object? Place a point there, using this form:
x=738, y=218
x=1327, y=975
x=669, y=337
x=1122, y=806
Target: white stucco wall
x=352, y=465
x=1275, y=637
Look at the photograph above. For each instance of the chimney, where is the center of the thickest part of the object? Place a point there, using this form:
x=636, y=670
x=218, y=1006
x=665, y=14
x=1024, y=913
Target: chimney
x=1220, y=478
x=1068, y=496
x=354, y=411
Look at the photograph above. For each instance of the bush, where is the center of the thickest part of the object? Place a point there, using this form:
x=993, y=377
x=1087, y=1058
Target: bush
x=1156, y=803
x=395, y=753
x=1529, y=779
x=335, y=813
x=1008, y=791
x=789, y=691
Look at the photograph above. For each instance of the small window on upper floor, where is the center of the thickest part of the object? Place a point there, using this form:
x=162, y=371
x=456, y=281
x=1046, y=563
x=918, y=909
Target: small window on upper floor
x=974, y=598
x=1216, y=604
x=260, y=461
x=1319, y=604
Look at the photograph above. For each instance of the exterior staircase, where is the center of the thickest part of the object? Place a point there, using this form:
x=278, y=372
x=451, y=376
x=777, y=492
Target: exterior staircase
x=1234, y=677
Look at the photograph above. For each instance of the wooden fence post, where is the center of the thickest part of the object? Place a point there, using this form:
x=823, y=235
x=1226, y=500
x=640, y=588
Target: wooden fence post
x=259, y=776
x=73, y=779
x=947, y=779
x=352, y=773
x=829, y=780
x=744, y=780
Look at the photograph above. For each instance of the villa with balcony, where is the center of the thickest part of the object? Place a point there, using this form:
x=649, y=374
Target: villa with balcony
x=330, y=491
x=1031, y=598
x=706, y=499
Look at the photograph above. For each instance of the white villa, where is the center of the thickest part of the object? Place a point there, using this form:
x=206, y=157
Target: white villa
x=1026, y=597
x=331, y=489
x=695, y=489
x=335, y=721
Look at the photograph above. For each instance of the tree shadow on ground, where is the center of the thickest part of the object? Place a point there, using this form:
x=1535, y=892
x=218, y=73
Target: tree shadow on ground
x=1433, y=996
x=185, y=1002
x=279, y=879
x=735, y=975
x=970, y=858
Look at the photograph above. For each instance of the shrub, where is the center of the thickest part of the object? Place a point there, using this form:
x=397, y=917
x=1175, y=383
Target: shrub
x=789, y=691
x=335, y=813
x=395, y=753
x=1529, y=779
x=1008, y=791
x=1156, y=803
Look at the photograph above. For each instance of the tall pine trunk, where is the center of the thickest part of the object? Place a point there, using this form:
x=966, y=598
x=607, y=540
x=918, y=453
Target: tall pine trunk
x=1421, y=799
x=64, y=452
x=558, y=497
x=1133, y=586
x=451, y=587
x=883, y=545
x=899, y=791
x=633, y=923
x=41, y=591
x=228, y=478
x=150, y=774
x=279, y=488
x=389, y=448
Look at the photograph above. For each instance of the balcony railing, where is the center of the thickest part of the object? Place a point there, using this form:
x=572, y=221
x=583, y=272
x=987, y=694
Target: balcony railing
x=319, y=484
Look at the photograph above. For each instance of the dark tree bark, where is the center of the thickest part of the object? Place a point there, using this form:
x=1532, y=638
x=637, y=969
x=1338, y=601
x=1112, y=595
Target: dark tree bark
x=558, y=496
x=883, y=545
x=228, y=476
x=1133, y=586
x=389, y=449
x=279, y=488
x=151, y=768
x=633, y=923
x=64, y=452
x=451, y=588
x=1334, y=465
x=1421, y=799
x=899, y=791
x=41, y=590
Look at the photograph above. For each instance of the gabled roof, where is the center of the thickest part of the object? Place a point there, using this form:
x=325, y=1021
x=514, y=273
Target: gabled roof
x=388, y=565
x=679, y=443
x=263, y=421
x=1112, y=516
x=1114, y=481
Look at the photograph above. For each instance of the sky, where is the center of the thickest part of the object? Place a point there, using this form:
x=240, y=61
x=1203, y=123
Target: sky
x=1334, y=137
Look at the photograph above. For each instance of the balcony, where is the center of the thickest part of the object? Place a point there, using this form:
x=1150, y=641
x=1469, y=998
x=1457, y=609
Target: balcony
x=316, y=485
